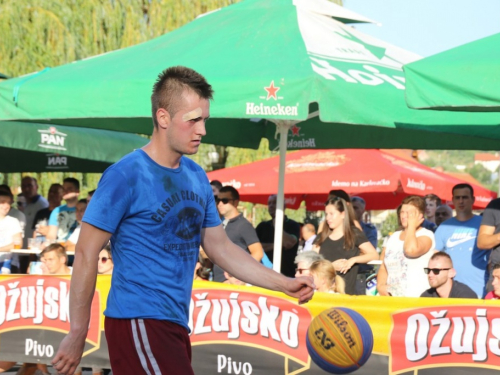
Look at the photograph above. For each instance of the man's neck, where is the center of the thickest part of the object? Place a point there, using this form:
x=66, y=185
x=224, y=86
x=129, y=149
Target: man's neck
x=64, y=270
x=464, y=216
x=72, y=202
x=53, y=205
x=161, y=153
x=231, y=215
x=32, y=199
x=432, y=219
x=445, y=289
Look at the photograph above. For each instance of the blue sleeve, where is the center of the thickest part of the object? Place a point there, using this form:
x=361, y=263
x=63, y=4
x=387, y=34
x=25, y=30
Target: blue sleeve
x=110, y=202
x=53, y=217
x=372, y=237
x=439, y=237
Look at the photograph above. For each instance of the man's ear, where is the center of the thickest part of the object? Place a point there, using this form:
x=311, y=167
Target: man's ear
x=452, y=273
x=163, y=118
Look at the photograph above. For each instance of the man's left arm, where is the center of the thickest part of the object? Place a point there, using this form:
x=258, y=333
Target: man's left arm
x=240, y=264
x=291, y=236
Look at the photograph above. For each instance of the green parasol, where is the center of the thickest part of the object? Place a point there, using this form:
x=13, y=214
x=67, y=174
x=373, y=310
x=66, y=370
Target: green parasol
x=30, y=147
x=464, y=78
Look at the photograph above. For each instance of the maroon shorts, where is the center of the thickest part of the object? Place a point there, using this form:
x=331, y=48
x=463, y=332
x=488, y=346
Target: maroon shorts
x=147, y=346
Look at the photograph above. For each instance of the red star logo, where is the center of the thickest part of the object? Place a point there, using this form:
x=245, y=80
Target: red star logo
x=295, y=130
x=52, y=130
x=271, y=91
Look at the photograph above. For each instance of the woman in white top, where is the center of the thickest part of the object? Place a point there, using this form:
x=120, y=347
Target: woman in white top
x=407, y=253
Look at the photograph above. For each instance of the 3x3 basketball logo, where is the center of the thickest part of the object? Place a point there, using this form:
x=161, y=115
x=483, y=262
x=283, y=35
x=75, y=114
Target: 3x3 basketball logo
x=324, y=339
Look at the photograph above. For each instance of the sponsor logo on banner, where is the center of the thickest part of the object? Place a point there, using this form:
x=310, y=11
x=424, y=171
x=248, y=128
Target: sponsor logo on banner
x=261, y=321
x=269, y=104
x=57, y=162
x=318, y=162
x=302, y=142
x=445, y=336
x=52, y=139
x=411, y=183
x=28, y=303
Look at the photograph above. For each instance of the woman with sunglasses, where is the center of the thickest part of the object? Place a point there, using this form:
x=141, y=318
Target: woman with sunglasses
x=105, y=263
x=342, y=243
x=407, y=253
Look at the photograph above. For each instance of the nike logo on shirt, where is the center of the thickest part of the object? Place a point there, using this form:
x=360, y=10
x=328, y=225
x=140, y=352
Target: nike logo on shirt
x=452, y=243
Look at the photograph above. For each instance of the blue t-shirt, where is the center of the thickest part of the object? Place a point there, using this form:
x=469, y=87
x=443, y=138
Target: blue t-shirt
x=155, y=215
x=64, y=218
x=459, y=240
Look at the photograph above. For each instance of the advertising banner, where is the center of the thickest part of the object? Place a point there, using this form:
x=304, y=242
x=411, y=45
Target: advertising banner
x=249, y=330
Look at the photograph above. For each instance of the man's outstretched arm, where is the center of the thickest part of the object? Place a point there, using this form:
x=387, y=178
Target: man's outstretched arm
x=83, y=282
x=240, y=264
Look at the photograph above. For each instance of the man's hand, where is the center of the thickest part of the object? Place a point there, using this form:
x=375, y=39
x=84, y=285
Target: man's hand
x=68, y=355
x=301, y=287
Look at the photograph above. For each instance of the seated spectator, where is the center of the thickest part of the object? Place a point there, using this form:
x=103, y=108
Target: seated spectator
x=342, y=243
x=55, y=259
x=239, y=230
x=89, y=195
x=443, y=213
x=304, y=260
x=41, y=221
x=10, y=233
x=495, y=293
x=216, y=186
x=325, y=278
x=308, y=232
x=62, y=220
x=441, y=273
x=105, y=263
x=81, y=206
x=14, y=212
x=407, y=253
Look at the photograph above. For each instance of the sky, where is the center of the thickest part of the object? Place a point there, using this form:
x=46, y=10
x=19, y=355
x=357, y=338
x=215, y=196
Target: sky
x=427, y=27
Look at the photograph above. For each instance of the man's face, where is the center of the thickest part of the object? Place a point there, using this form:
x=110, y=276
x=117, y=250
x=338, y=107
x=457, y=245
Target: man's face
x=70, y=191
x=105, y=264
x=226, y=209
x=430, y=208
x=53, y=263
x=496, y=282
x=271, y=205
x=80, y=210
x=359, y=209
x=186, y=128
x=463, y=200
x=5, y=203
x=443, y=213
x=435, y=281
x=29, y=188
x=302, y=270
x=55, y=195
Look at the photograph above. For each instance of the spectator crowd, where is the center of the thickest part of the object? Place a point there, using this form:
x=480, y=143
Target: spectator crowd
x=433, y=253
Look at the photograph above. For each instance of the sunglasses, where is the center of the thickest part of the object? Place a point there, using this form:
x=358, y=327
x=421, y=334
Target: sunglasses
x=300, y=270
x=224, y=200
x=104, y=259
x=435, y=271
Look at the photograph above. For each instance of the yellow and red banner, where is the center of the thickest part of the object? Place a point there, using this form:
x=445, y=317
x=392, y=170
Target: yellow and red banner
x=249, y=330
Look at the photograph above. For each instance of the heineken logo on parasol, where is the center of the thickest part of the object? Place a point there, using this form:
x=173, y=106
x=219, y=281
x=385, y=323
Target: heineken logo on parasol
x=445, y=335
x=268, y=107
x=52, y=139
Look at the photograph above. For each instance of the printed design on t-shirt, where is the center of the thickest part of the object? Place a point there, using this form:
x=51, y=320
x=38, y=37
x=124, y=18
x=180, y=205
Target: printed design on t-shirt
x=65, y=221
x=461, y=236
x=186, y=224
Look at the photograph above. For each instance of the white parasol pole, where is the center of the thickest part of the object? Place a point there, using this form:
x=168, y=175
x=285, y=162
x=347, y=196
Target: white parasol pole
x=282, y=128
